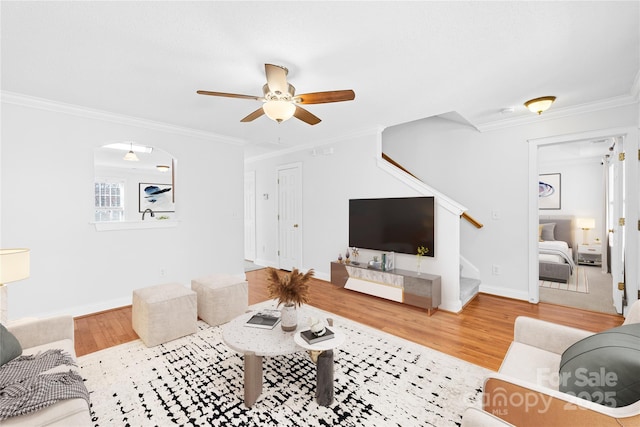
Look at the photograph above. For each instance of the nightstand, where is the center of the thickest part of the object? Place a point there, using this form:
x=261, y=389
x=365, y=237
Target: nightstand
x=590, y=254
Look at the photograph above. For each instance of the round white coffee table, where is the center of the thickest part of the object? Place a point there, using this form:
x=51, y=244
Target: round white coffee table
x=255, y=343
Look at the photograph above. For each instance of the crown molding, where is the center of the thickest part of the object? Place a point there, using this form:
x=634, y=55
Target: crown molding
x=605, y=104
x=76, y=110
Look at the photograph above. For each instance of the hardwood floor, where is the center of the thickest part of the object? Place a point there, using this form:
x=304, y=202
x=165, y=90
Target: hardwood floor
x=480, y=334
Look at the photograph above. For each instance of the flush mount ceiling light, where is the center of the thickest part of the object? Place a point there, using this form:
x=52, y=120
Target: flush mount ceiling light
x=162, y=168
x=538, y=105
x=131, y=156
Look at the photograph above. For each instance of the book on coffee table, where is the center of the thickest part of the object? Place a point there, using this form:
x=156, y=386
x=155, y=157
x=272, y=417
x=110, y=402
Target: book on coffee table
x=312, y=338
x=265, y=319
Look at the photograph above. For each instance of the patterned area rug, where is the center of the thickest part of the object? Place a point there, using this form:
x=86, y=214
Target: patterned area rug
x=380, y=380
x=578, y=282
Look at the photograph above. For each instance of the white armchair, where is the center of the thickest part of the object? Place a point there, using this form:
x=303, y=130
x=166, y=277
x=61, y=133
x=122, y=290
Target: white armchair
x=525, y=390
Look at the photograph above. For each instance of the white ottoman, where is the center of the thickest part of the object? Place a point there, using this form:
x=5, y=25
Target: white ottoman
x=221, y=297
x=163, y=313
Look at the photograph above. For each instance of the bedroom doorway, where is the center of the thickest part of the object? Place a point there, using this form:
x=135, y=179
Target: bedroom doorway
x=601, y=293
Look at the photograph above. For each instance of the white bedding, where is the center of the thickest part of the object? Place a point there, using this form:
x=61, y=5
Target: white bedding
x=555, y=251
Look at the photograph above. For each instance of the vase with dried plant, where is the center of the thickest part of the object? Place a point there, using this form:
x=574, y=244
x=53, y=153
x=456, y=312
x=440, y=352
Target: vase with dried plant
x=291, y=290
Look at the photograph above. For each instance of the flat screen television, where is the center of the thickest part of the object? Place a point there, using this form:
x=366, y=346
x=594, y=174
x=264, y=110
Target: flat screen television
x=392, y=224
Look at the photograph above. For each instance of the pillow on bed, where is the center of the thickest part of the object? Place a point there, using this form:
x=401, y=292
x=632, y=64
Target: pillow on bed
x=540, y=233
x=548, y=231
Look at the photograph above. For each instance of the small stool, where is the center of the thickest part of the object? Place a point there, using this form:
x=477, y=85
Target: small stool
x=163, y=313
x=221, y=297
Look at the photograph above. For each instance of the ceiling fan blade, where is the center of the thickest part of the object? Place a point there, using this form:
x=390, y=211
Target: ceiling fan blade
x=251, y=117
x=229, y=95
x=306, y=116
x=324, y=97
x=276, y=78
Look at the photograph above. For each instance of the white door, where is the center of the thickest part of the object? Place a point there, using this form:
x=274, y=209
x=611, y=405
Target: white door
x=250, y=216
x=615, y=226
x=289, y=216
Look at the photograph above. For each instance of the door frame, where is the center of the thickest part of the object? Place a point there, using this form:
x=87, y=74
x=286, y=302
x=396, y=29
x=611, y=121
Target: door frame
x=630, y=136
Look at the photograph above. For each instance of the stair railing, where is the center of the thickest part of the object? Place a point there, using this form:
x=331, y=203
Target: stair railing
x=464, y=215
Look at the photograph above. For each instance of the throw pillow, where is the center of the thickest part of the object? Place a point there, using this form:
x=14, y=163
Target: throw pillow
x=549, y=231
x=540, y=233
x=10, y=348
x=604, y=368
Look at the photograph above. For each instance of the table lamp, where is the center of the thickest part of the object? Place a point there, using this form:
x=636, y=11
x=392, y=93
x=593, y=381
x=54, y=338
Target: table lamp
x=14, y=266
x=586, y=224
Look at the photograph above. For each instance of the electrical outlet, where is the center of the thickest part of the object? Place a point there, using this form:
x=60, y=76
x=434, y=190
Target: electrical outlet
x=496, y=270
x=162, y=272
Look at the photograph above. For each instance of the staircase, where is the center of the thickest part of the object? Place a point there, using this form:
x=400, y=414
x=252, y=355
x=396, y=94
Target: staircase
x=469, y=288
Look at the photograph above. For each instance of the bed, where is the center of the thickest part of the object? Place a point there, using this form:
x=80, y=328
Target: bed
x=555, y=251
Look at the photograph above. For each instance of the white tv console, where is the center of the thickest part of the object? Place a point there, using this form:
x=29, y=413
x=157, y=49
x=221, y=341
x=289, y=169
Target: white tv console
x=408, y=287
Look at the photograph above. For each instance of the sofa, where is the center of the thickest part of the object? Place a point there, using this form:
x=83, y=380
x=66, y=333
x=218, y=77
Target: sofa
x=527, y=390
x=38, y=335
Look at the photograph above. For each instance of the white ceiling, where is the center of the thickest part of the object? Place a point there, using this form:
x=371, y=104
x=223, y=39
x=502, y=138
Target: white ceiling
x=404, y=60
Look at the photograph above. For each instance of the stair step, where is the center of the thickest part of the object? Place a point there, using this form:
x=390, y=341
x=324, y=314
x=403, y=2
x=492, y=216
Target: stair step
x=468, y=289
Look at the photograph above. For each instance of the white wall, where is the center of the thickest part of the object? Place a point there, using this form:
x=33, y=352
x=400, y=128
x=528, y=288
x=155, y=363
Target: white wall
x=488, y=173
x=329, y=181
x=47, y=190
x=582, y=192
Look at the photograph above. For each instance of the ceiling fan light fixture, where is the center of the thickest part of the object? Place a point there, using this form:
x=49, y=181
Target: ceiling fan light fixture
x=538, y=105
x=279, y=111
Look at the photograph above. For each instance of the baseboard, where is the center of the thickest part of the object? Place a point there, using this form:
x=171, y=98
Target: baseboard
x=507, y=293
x=83, y=310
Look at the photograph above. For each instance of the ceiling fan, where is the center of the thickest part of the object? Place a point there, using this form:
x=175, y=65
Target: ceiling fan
x=280, y=101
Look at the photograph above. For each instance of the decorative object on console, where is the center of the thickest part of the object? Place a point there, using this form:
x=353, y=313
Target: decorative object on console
x=346, y=256
x=292, y=290
x=375, y=263
x=389, y=261
x=14, y=266
x=421, y=252
x=340, y=258
x=355, y=253
x=586, y=224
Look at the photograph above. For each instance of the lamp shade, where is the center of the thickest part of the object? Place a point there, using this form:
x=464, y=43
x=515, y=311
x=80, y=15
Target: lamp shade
x=279, y=110
x=14, y=265
x=586, y=223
